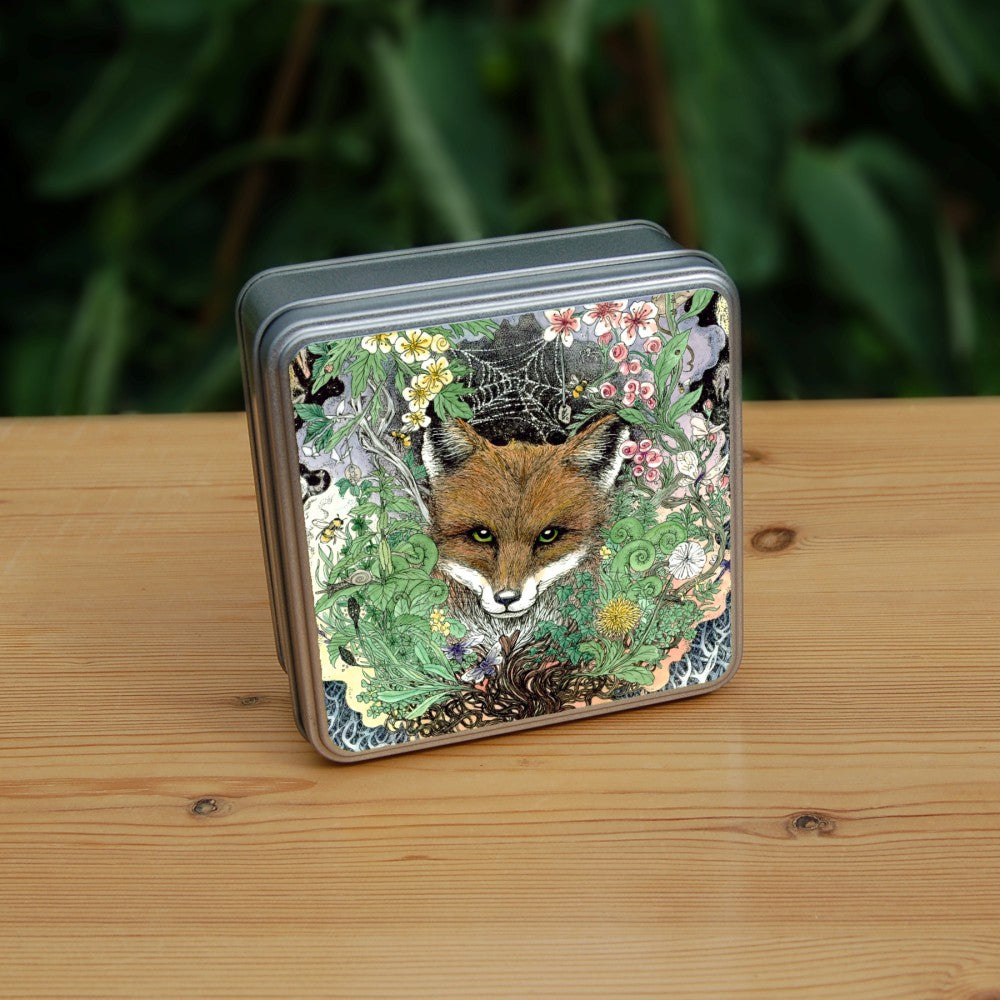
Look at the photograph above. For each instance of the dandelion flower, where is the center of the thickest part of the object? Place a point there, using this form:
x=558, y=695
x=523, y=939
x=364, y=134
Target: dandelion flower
x=618, y=617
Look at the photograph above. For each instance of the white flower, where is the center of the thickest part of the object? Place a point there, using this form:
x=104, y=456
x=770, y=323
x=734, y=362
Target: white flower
x=701, y=428
x=414, y=345
x=563, y=323
x=687, y=464
x=415, y=419
x=639, y=320
x=687, y=560
x=379, y=342
x=438, y=373
x=419, y=393
x=607, y=315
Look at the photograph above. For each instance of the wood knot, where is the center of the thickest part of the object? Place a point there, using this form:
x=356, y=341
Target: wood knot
x=750, y=456
x=209, y=807
x=249, y=700
x=809, y=822
x=773, y=539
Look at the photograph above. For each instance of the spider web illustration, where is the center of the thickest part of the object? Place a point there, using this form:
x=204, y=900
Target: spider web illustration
x=521, y=383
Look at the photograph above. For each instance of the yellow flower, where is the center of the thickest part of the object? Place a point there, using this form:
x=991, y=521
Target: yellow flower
x=439, y=345
x=414, y=345
x=419, y=393
x=605, y=552
x=379, y=342
x=415, y=420
x=439, y=623
x=438, y=374
x=618, y=617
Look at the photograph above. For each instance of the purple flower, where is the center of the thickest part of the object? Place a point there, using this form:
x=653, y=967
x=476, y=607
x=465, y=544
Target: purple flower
x=486, y=667
x=456, y=650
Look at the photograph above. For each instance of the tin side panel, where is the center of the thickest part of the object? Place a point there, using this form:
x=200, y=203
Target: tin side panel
x=518, y=517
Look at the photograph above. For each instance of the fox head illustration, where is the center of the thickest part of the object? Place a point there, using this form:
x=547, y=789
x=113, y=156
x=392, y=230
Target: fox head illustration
x=511, y=520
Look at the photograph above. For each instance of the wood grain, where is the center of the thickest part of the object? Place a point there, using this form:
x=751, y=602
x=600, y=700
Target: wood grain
x=825, y=825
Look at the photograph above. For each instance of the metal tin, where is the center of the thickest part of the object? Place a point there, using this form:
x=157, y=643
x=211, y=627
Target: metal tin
x=499, y=482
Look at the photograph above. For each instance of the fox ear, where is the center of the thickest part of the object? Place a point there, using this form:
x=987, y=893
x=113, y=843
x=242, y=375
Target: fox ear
x=597, y=451
x=447, y=445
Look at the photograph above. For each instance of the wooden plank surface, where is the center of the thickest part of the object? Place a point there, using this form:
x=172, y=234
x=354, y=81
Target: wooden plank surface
x=825, y=825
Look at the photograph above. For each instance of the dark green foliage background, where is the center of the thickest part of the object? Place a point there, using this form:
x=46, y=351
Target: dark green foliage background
x=840, y=158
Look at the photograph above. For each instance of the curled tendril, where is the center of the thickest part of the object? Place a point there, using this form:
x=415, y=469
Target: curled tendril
x=425, y=552
x=636, y=557
x=667, y=535
x=649, y=587
x=628, y=529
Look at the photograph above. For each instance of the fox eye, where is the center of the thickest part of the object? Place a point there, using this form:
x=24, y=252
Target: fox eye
x=481, y=534
x=548, y=535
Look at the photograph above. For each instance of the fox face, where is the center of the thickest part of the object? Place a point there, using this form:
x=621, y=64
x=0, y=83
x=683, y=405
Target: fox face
x=511, y=520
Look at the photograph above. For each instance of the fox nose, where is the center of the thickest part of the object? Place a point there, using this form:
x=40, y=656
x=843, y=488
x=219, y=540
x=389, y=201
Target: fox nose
x=507, y=597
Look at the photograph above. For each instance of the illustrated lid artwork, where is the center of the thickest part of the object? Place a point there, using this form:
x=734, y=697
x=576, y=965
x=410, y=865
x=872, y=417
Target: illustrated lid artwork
x=498, y=482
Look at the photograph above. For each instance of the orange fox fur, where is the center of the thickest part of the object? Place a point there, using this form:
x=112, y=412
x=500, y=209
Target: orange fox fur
x=512, y=520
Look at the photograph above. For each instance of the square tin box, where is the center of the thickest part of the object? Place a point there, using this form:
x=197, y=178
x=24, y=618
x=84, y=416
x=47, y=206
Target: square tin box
x=499, y=482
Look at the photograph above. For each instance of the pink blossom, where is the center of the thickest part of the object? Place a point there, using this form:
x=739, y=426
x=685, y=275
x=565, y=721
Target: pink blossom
x=653, y=346
x=634, y=366
x=637, y=470
x=563, y=323
x=651, y=402
x=605, y=338
x=640, y=320
x=654, y=458
x=607, y=390
x=607, y=316
x=652, y=477
x=632, y=386
x=645, y=444
x=646, y=390
x=629, y=398
x=708, y=406
x=618, y=353
x=629, y=448
x=724, y=482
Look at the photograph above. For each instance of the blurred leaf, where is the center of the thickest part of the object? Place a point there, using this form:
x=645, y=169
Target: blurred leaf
x=738, y=86
x=958, y=294
x=87, y=370
x=867, y=254
x=170, y=13
x=428, y=89
x=132, y=104
x=953, y=38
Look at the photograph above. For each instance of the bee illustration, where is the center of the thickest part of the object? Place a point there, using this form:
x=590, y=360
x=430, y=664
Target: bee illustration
x=404, y=439
x=579, y=385
x=329, y=533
